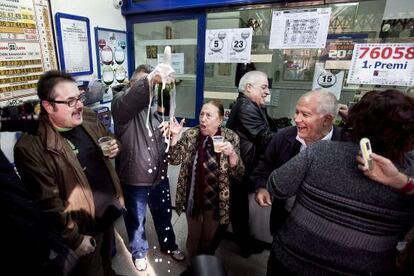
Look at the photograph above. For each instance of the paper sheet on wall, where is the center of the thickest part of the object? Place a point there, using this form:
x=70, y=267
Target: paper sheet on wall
x=177, y=62
x=293, y=29
x=75, y=43
x=382, y=64
x=328, y=80
x=228, y=45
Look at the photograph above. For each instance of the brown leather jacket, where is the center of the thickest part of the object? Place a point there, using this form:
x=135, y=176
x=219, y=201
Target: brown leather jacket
x=53, y=174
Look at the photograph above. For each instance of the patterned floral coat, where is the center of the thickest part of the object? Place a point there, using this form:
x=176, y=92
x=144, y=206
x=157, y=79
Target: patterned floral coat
x=184, y=152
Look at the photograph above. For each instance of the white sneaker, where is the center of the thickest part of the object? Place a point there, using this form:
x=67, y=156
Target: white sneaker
x=141, y=264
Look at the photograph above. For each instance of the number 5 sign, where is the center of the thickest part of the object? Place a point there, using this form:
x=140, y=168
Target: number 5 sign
x=383, y=64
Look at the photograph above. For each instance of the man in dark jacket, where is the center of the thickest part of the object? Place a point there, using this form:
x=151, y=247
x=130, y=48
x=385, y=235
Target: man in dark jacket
x=314, y=117
x=249, y=119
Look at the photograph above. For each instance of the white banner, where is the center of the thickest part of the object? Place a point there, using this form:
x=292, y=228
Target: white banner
x=293, y=29
x=328, y=80
x=177, y=62
x=382, y=64
x=228, y=45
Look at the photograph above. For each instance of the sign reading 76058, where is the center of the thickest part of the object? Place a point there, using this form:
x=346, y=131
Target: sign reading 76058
x=383, y=64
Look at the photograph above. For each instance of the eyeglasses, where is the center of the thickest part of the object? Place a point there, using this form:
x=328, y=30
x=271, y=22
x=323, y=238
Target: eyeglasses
x=71, y=102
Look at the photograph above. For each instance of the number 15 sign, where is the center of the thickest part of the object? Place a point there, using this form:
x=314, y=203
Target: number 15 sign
x=382, y=64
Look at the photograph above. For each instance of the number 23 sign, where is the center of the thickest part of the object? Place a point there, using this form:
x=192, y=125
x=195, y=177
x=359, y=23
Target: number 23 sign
x=383, y=64
x=228, y=45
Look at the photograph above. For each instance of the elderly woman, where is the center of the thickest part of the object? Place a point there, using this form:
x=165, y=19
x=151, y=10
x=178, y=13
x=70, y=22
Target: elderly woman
x=343, y=222
x=203, y=182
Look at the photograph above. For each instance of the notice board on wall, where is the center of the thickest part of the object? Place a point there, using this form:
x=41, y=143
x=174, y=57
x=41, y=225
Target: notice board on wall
x=74, y=44
x=27, y=47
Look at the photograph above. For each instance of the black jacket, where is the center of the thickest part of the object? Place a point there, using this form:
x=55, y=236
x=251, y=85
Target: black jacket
x=26, y=239
x=254, y=127
x=281, y=149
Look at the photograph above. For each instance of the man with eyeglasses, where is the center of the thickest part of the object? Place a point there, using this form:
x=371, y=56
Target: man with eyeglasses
x=71, y=180
x=249, y=119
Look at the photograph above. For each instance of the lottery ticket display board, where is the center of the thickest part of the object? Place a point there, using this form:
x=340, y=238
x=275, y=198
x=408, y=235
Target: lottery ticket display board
x=27, y=46
x=293, y=29
x=382, y=64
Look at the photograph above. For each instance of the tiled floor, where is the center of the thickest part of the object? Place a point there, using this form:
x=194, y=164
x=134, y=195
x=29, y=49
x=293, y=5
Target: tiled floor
x=160, y=264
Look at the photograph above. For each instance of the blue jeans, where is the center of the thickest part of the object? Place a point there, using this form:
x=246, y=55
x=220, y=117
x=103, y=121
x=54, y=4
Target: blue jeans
x=158, y=199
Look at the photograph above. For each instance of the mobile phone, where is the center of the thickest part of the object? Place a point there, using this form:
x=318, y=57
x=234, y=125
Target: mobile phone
x=366, y=151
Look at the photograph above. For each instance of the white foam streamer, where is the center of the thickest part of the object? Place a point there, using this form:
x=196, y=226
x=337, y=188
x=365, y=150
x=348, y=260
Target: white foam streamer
x=171, y=115
x=151, y=96
x=167, y=76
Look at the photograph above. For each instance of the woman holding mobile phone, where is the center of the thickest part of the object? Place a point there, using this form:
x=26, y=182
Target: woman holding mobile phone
x=343, y=222
x=385, y=172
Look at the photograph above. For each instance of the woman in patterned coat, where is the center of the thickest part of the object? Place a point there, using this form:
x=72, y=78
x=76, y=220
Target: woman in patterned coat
x=203, y=183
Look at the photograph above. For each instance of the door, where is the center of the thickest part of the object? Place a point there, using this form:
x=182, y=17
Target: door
x=185, y=34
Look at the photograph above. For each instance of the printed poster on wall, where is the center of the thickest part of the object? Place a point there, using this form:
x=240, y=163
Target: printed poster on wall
x=26, y=47
x=177, y=62
x=305, y=28
x=75, y=43
x=329, y=80
x=112, y=57
x=339, y=48
x=382, y=64
x=228, y=45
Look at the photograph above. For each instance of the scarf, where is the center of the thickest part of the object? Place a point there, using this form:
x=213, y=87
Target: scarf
x=204, y=188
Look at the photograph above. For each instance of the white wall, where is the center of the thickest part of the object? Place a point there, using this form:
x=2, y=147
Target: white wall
x=101, y=13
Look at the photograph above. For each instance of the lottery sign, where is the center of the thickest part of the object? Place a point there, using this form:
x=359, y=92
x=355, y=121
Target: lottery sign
x=228, y=45
x=383, y=64
x=26, y=47
x=339, y=49
x=295, y=29
x=330, y=80
x=326, y=79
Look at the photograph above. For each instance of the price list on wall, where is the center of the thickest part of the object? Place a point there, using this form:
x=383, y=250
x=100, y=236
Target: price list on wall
x=26, y=46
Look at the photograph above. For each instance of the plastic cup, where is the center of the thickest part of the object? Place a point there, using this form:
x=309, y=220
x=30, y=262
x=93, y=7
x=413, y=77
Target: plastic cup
x=217, y=142
x=105, y=144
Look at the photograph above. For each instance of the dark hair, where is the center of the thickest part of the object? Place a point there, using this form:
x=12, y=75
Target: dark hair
x=219, y=106
x=142, y=68
x=48, y=81
x=387, y=119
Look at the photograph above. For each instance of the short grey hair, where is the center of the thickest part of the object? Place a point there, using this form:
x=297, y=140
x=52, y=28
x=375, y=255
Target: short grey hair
x=250, y=77
x=327, y=101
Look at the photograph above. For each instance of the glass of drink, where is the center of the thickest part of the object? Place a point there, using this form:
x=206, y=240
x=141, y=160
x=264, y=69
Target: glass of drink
x=217, y=142
x=105, y=143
